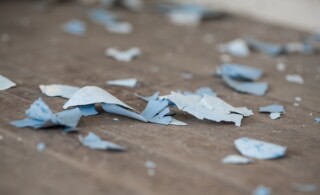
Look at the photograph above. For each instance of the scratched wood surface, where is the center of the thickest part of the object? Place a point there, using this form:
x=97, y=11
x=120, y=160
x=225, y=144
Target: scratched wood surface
x=188, y=158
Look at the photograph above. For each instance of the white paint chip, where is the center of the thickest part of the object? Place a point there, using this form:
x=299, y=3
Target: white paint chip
x=237, y=47
x=295, y=78
x=131, y=82
x=236, y=159
x=41, y=147
x=123, y=56
x=275, y=115
x=65, y=91
x=281, y=67
x=5, y=83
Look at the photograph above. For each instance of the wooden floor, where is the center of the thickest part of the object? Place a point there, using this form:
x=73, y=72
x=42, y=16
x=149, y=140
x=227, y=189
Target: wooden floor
x=188, y=158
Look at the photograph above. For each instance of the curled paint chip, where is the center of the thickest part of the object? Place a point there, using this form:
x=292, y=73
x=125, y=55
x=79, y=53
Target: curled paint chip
x=236, y=159
x=208, y=107
x=92, y=95
x=75, y=27
x=123, y=56
x=132, y=82
x=94, y=142
x=259, y=149
x=39, y=115
x=65, y=91
x=264, y=47
x=5, y=83
x=241, y=72
x=273, y=108
x=237, y=47
x=254, y=88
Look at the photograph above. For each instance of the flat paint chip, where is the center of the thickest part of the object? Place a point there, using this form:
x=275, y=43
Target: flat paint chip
x=275, y=115
x=65, y=91
x=39, y=115
x=123, y=56
x=257, y=149
x=41, y=147
x=93, y=95
x=94, y=142
x=5, y=83
x=237, y=47
x=262, y=190
x=273, y=108
x=131, y=83
x=75, y=27
x=209, y=107
x=295, y=78
x=236, y=159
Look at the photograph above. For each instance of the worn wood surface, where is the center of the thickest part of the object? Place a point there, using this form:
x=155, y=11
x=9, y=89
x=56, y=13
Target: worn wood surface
x=188, y=158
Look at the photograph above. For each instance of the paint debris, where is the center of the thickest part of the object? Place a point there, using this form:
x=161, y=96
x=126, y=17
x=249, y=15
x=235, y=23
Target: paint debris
x=281, y=67
x=131, y=82
x=239, y=77
x=5, y=83
x=304, y=187
x=39, y=115
x=295, y=78
x=241, y=72
x=150, y=165
x=123, y=56
x=201, y=91
x=75, y=27
x=254, y=88
x=110, y=21
x=262, y=190
x=270, y=49
x=188, y=14
x=236, y=159
x=88, y=110
x=148, y=98
x=317, y=119
x=275, y=115
x=54, y=90
x=208, y=107
x=273, y=108
x=237, y=48
x=94, y=142
x=257, y=149
x=93, y=95
x=41, y=147
x=186, y=76
x=297, y=99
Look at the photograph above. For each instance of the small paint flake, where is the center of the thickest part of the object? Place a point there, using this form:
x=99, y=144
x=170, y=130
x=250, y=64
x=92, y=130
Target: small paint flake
x=236, y=159
x=94, y=142
x=131, y=82
x=41, y=147
x=304, y=187
x=115, y=119
x=262, y=190
x=296, y=104
x=5, y=83
x=297, y=99
x=317, y=119
x=123, y=56
x=295, y=78
x=281, y=67
x=150, y=164
x=1, y=137
x=275, y=116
